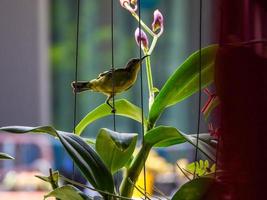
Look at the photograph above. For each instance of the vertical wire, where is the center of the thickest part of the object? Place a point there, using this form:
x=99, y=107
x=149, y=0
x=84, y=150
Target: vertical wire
x=76, y=75
x=113, y=81
x=199, y=83
x=142, y=93
x=112, y=63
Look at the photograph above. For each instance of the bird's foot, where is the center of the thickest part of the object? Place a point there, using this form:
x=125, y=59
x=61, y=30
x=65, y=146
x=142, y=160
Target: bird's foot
x=113, y=110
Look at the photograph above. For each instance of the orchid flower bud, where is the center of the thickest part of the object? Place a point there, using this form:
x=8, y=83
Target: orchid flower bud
x=141, y=38
x=157, y=22
x=127, y=4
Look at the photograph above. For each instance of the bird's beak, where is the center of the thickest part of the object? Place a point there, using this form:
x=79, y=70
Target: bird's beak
x=144, y=57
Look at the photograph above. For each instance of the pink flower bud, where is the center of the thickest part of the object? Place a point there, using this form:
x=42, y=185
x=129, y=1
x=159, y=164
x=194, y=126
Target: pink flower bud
x=158, y=21
x=141, y=38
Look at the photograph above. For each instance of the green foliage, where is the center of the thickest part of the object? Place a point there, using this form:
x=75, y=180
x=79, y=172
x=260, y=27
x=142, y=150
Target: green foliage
x=162, y=135
x=193, y=190
x=201, y=168
x=185, y=81
x=52, y=179
x=4, y=156
x=27, y=129
x=81, y=153
x=115, y=148
x=123, y=108
x=203, y=145
x=55, y=176
x=68, y=192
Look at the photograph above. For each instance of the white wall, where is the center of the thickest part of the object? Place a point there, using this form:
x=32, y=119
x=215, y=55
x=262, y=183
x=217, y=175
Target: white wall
x=24, y=71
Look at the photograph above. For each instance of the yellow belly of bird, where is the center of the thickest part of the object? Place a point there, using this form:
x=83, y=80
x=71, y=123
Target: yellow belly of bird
x=105, y=85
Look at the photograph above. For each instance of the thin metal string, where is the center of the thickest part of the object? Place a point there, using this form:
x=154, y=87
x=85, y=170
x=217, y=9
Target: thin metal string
x=141, y=94
x=112, y=63
x=199, y=83
x=76, y=74
x=113, y=81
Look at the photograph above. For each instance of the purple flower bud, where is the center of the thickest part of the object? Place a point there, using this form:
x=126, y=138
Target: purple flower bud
x=158, y=21
x=141, y=38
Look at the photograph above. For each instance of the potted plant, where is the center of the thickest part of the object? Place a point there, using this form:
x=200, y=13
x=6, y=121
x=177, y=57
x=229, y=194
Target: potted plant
x=100, y=159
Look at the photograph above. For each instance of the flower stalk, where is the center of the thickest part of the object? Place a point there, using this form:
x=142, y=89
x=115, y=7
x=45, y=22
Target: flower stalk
x=133, y=172
x=149, y=82
x=148, y=30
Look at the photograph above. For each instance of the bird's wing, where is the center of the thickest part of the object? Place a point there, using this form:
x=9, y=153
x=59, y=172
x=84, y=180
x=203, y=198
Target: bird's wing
x=104, y=73
x=119, y=70
x=109, y=72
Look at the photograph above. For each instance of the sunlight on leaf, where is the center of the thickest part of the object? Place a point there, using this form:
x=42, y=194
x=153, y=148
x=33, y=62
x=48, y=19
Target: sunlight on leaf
x=201, y=168
x=163, y=136
x=184, y=81
x=115, y=148
x=123, y=108
x=67, y=192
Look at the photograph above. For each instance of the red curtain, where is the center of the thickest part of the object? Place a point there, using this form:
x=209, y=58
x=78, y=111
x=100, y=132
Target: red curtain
x=241, y=84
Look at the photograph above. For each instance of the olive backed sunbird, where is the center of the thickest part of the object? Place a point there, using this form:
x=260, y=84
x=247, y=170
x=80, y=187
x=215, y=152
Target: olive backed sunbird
x=110, y=85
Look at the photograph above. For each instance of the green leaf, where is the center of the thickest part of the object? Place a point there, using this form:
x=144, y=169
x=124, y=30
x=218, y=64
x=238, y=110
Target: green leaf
x=164, y=136
x=195, y=189
x=88, y=162
x=68, y=192
x=206, y=138
x=26, y=129
x=203, y=146
x=185, y=81
x=81, y=153
x=90, y=141
x=200, y=168
x=4, y=156
x=53, y=181
x=123, y=108
x=115, y=148
x=155, y=90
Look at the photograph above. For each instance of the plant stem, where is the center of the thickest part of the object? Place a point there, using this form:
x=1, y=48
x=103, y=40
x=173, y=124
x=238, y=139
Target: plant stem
x=153, y=44
x=54, y=184
x=133, y=172
x=143, y=24
x=150, y=82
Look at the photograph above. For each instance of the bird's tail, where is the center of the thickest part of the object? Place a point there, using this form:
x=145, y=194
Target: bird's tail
x=81, y=86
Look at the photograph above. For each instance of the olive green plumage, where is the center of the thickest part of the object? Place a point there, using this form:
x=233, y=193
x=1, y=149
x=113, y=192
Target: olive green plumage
x=110, y=85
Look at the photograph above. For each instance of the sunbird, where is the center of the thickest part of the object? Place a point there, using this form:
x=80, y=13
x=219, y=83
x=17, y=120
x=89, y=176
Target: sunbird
x=110, y=85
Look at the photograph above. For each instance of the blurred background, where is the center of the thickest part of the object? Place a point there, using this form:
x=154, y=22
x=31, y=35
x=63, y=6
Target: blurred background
x=37, y=59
